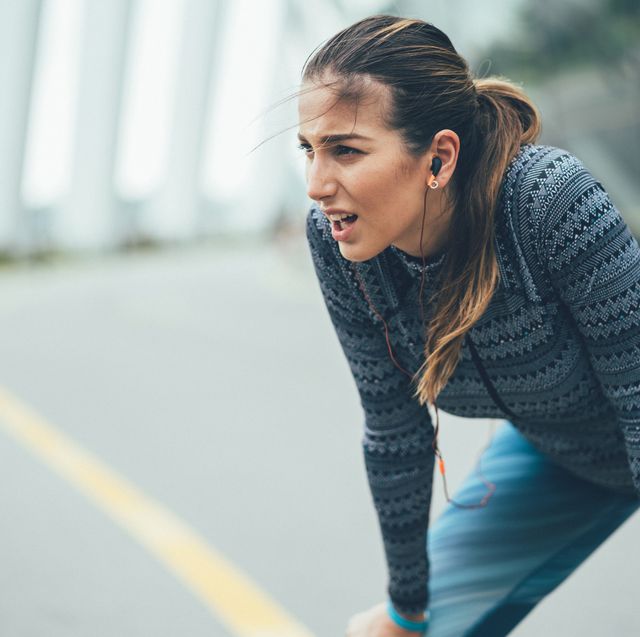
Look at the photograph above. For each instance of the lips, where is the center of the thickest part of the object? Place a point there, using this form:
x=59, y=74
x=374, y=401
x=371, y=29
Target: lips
x=340, y=216
x=341, y=230
x=344, y=220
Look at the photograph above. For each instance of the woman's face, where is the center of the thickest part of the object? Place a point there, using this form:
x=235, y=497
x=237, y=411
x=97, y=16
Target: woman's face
x=355, y=165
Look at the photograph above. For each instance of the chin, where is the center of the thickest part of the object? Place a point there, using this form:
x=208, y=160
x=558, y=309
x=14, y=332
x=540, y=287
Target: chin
x=357, y=253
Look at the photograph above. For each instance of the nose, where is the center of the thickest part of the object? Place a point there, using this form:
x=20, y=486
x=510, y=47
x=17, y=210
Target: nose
x=321, y=182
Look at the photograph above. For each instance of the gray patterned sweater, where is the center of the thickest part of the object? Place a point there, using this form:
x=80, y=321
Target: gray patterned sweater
x=560, y=342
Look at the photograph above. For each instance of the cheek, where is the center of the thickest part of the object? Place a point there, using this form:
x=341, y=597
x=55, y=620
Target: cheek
x=378, y=184
x=390, y=189
x=410, y=177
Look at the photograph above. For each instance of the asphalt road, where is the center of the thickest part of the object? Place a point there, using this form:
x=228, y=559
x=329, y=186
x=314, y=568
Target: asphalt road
x=211, y=380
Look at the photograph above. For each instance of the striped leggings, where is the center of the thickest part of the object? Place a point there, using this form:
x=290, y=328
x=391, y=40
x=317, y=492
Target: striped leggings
x=491, y=566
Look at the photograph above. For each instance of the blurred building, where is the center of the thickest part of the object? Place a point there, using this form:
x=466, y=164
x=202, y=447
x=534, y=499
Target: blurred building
x=136, y=122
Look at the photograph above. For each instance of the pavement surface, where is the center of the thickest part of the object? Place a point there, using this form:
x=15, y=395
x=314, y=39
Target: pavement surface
x=205, y=390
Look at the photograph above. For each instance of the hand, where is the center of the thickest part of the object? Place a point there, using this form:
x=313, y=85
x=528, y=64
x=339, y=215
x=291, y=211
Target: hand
x=376, y=622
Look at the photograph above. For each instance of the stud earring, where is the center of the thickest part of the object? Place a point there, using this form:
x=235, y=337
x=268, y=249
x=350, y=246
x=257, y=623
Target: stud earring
x=433, y=184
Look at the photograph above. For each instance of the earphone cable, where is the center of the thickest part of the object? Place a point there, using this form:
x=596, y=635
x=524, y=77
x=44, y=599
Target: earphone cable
x=491, y=487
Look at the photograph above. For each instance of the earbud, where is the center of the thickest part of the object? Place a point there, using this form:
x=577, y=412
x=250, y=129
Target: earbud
x=436, y=165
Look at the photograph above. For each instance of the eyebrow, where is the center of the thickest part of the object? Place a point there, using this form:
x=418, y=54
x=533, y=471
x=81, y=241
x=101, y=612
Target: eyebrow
x=332, y=139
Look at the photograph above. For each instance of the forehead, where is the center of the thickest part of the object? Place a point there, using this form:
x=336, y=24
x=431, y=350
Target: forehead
x=322, y=112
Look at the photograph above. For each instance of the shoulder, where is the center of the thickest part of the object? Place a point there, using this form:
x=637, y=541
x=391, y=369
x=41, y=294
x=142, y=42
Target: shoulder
x=552, y=206
x=577, y=231
x=547, y=180
x=545, y=186
x=539, y=173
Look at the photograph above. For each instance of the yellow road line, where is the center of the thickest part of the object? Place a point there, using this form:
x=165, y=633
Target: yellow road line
x=229, y=594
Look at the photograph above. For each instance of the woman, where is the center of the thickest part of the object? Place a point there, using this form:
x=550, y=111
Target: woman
x=466, y=268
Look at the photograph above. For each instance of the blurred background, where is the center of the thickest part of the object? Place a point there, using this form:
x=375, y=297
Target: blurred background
x=159, y=307
x=131, y=122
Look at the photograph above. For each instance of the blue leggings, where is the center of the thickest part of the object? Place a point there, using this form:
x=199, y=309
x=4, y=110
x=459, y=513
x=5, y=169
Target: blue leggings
x=491, y=566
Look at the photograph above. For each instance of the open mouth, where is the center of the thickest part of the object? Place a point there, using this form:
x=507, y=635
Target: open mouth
x=344, y=222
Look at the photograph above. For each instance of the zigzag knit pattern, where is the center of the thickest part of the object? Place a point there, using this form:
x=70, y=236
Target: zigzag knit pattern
x=560, y=342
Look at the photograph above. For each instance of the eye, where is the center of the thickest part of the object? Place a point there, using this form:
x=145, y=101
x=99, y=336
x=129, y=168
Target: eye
x=346, y=150
x=337, y=150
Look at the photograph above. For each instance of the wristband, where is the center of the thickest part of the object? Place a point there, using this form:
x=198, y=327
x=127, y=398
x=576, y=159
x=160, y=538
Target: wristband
x=407, y=624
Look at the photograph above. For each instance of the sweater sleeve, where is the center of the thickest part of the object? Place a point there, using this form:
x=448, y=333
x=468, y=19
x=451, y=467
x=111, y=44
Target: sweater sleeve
x=594, y=264
x=397, y=440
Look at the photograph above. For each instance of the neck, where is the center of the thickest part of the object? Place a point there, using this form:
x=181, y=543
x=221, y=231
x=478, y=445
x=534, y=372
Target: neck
x=436, y=226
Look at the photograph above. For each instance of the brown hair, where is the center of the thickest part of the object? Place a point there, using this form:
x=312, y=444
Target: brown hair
x=431, y=89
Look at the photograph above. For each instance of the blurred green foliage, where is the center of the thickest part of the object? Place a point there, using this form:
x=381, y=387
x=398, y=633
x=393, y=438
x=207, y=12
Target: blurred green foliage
x=555, y=36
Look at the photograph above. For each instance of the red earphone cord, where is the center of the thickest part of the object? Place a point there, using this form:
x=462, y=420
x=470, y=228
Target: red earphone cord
x=491, y=487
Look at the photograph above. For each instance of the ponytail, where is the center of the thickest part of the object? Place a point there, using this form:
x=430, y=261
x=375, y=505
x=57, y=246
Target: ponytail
x=504, y=119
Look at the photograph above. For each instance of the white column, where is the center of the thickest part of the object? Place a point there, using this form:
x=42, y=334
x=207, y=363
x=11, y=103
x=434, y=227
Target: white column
x=260, y=202
x=88, y=218
x=19, y=23
x=175, y=212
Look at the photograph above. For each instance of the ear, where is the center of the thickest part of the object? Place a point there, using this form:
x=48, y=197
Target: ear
x=446, y=146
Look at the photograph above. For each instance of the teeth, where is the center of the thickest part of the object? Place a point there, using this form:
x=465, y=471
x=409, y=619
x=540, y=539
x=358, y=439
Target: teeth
x=338, y=217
